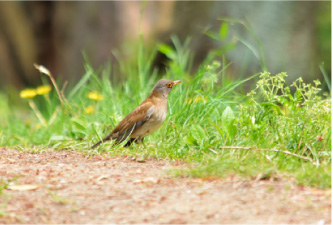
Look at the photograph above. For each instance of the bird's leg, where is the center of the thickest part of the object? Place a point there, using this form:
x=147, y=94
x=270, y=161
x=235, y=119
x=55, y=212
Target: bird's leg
x=130, y=141
x=135, y=140
x=139, y=140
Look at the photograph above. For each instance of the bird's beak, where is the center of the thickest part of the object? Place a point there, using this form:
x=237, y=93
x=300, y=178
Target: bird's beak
x=176, y=82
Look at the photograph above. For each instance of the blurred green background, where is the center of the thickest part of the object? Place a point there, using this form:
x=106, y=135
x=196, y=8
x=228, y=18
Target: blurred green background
x=294, y=37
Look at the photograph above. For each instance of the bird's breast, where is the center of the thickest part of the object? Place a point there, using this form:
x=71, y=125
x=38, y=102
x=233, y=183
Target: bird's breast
x=155, y=121
x=159, y=114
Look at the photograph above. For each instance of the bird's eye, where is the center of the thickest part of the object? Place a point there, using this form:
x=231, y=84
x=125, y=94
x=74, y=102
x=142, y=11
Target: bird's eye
x=169, y=85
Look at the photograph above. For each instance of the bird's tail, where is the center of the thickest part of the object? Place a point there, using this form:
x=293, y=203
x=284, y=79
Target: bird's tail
x=96, y=145
x=102, y=141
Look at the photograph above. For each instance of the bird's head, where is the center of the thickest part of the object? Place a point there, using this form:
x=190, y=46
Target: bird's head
x=164, y=86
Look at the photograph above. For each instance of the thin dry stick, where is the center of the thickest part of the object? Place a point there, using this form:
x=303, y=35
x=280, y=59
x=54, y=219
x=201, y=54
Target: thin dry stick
x=45, y=71
x=36, y=111
x=212, y=150
x=54, y=115
x=271, y=150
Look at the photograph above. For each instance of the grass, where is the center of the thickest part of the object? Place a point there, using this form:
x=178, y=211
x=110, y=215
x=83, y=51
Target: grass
x=4, y=198
x=57, y=198
x=275, y=128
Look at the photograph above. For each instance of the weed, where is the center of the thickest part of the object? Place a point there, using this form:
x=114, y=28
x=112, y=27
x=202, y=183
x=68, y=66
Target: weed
x=57, y=198
x=4, y=198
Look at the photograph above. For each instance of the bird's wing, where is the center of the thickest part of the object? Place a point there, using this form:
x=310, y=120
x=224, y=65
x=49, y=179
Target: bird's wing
x=132, y=122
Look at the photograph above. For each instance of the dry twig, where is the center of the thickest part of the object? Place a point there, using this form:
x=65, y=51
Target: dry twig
x=270, y=150
x=45, y=71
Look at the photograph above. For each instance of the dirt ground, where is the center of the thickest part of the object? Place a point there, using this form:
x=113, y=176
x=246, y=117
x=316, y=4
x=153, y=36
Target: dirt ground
x=68, y=187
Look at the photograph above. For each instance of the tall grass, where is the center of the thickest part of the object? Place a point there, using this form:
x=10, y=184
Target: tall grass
x=274, y=129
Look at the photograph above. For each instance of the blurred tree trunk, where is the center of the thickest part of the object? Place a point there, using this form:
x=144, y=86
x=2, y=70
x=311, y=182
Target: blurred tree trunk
x=55, y=34
x=25, y=38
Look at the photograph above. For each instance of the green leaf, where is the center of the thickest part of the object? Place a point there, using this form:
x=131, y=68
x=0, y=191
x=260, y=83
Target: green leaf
x=229, y=46
x=326, y=77
x=228, y=119
x=198, y=133
x=167, y=50
x=219, y=130
x=84, y=79
x=190, y=140
x=224, y=30
x=212, y=35
x=79, y=124
x=272, y=106
x=251, y=47
x=228, y=116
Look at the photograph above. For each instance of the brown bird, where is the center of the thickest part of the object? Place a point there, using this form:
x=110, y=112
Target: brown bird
x=146, y=118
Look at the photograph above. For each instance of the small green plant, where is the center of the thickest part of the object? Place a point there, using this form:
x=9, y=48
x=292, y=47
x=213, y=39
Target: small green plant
x=3, y=197
x=3, y=186
x=57, y=198
x=297, y=122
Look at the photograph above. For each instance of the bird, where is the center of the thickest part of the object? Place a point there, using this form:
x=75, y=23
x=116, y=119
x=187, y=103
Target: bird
x=145, y=119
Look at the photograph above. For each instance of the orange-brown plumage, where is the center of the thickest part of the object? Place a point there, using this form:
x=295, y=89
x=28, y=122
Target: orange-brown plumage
x=146, y=118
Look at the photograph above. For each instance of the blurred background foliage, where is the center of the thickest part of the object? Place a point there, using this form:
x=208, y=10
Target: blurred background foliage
x=294, y=37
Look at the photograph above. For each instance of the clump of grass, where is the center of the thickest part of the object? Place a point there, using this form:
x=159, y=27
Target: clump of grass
x=298, y=122
x=273, y=130
x=57, y=198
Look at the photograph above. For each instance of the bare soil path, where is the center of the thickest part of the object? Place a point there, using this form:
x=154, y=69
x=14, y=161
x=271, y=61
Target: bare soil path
x=68, y=187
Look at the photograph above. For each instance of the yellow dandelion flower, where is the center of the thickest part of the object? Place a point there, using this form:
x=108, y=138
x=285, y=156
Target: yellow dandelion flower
x=44, y=89
x=94, y=95
x=89, y=110
x=28, y=93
